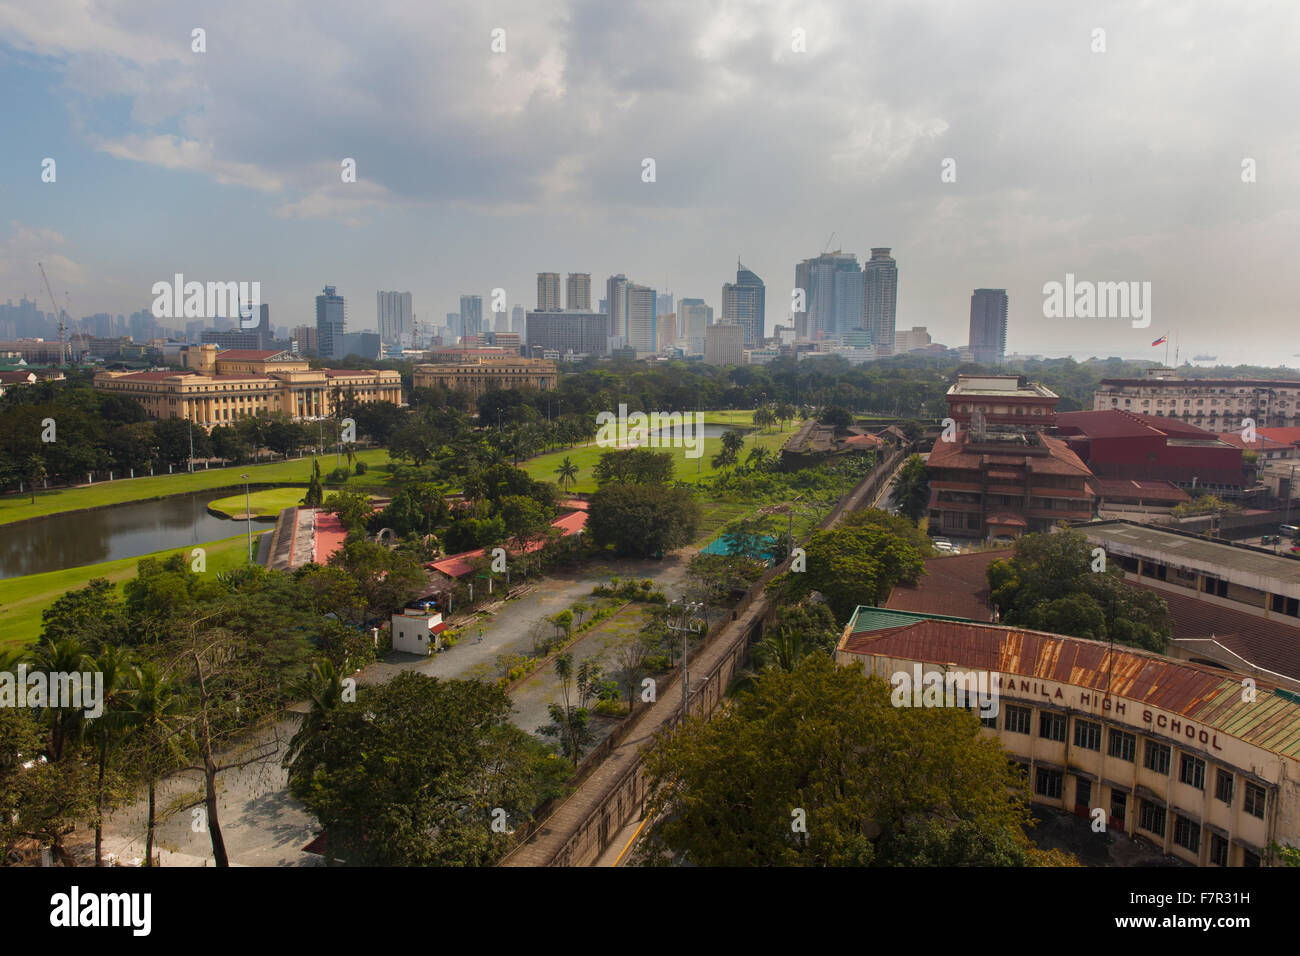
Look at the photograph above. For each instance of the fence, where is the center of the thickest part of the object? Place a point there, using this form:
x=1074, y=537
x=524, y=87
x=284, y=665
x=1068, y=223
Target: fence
x=611, y=785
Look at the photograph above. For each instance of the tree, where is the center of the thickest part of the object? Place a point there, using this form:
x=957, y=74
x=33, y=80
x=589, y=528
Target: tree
x=643, y=520
x=852, y=565
x=410, y=775
x=1054, y=582
x=911, y=488
x=567, y=472
x=323, y=689
x=106, y=731
x=352, y=507
x=634, y=466
x=837, y=417
x=35, y=473
x=866, y=776
x=315, y=495
x=570, y=723
x=153, y=716
x=632, y=667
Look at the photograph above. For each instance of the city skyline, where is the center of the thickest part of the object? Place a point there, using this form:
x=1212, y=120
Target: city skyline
x=160, y=150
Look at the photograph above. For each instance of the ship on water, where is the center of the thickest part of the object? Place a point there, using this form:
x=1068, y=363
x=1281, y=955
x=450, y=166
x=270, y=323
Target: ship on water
x=1205, y=358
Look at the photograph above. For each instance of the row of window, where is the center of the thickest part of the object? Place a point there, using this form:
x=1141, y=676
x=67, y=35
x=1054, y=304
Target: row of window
x=1122, y=745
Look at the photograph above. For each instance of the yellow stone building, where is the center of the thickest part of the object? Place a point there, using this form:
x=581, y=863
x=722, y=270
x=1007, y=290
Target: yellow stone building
x=216, y=388
x=486, y=374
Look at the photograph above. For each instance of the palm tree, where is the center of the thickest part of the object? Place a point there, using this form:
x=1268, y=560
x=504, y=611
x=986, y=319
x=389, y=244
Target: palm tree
x=154, y=714
x=568, y=473
x=323, y=687
x=114, y=664
x=60, y=657
x=733, y=441
x=35, y=473
x=758, y=457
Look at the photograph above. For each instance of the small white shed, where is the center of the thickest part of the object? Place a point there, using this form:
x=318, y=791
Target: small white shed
x=416, y=630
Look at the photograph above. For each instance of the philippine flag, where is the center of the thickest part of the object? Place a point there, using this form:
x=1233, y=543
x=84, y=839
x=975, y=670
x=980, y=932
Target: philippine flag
x=1162, y=340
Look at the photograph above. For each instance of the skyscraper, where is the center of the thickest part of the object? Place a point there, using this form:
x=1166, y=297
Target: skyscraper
x=393, y=310
x=517, y=320
x=331, y=323
x=641, y=319
x=693, y=317
x=880, y=300
x=471, y=315
x=664, y=303
x=453, y=325
x=988, y=325
x=819, y=278
x=616, y=298
x=847, y=311
x=577, y=292
x=548, y=291
x=666, y=329
x=744, y=304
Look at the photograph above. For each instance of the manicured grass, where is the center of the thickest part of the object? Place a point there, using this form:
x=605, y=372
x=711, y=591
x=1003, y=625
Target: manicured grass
x=267, y=503
x=54, y=501
x=691, y=470
x=23, y=599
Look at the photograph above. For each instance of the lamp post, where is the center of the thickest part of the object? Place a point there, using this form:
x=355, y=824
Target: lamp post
x=248, y=519
x=691, y=627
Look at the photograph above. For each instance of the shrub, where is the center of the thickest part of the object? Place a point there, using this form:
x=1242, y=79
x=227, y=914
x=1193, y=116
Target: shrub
x=611, y=708
x=361, y=467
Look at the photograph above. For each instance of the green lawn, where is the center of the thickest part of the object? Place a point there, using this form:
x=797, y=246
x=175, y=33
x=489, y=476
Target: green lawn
x=54, y=501
x=687, y=469
x=23, y=599
x=267, y=503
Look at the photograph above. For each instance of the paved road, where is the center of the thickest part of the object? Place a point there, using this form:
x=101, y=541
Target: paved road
x=264, y=826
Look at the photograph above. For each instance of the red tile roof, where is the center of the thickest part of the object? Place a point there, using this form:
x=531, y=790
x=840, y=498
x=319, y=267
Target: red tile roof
x=1118, y=423
x=458, y=565
x=1289, y=436
x=1128, y=488
x=1060, y=460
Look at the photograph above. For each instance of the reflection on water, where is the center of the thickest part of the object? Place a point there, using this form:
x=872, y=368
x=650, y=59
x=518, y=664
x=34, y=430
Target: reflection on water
x=122, y=531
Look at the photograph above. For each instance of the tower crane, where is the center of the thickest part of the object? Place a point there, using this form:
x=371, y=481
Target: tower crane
x=57, y=313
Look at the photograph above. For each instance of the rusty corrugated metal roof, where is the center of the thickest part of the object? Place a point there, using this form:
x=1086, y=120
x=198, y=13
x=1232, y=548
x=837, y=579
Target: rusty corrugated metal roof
x=1200, y=693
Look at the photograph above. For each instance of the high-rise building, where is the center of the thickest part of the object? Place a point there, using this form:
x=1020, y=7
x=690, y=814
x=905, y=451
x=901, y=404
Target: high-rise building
x=880, y=300
x=667, y=330
x=917, y=338
x=577, y=292
x=471, y=314
x=988, y=325
x=693, y=318
x=616, y=298
x=642, y=325
x=744, y=304
x=453, y=324
x=517, y=320
x=724, y=344
x=303, y=339
x=393, y=310
x=548, y=291
x=664, y=303
x=818, y=278
x=331, y=323
x=583, y=333
x=847, y=311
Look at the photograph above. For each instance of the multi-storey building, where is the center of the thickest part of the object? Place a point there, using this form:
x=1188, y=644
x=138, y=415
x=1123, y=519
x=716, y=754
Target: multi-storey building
x=548, y=292
x=693, y=318
x=988, y=325
x=880, y=299
x=487, y=374
x=917, y=338
x=217, y=388
x=331, y=323
x=642, y=319
x=471, y=314
x=616, y=298
x=1002, y=400
x=724, y=344
x=577, y=292
x=744, y=304
x=817, y=278
x=667, y=329
x=582, y=333
x=1170, y=752
x=1215, y=404
x=393, y=310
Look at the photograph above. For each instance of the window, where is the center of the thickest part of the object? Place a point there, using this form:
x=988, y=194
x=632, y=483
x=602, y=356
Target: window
x=1152, y=818
x=1255, y=800
x=1223, y=786
x=1248, y=858
x=1187, y=834
x=1017, y=721
x=1082, y=792
x=991, y=722
x=1123, y=745
x=1051, y=726
x=1048, y=783
x=1192, y=770
x=1156, y=757
x=1087, y=735
x=1118, y=805
x=1218, y=850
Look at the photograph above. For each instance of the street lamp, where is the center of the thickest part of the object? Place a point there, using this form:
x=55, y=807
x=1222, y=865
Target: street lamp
x=691, y=627
x=248, y=518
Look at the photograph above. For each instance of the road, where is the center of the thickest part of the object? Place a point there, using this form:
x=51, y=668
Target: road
x=263, y=826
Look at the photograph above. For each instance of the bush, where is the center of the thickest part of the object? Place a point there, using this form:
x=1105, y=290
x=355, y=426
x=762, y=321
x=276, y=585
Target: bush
x=338, y=475
x=361, y=467
x=611, y=708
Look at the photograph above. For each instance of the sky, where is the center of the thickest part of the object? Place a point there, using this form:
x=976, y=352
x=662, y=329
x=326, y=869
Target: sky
x=1111, y=156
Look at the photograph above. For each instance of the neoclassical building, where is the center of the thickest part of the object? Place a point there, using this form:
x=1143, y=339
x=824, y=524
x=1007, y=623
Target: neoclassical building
x=216, y=388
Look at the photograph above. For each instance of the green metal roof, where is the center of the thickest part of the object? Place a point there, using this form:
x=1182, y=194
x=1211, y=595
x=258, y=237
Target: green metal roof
x=867, y=618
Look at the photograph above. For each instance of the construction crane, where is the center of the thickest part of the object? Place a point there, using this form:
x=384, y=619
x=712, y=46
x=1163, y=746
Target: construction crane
x=829, y=239
x=57, y=313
